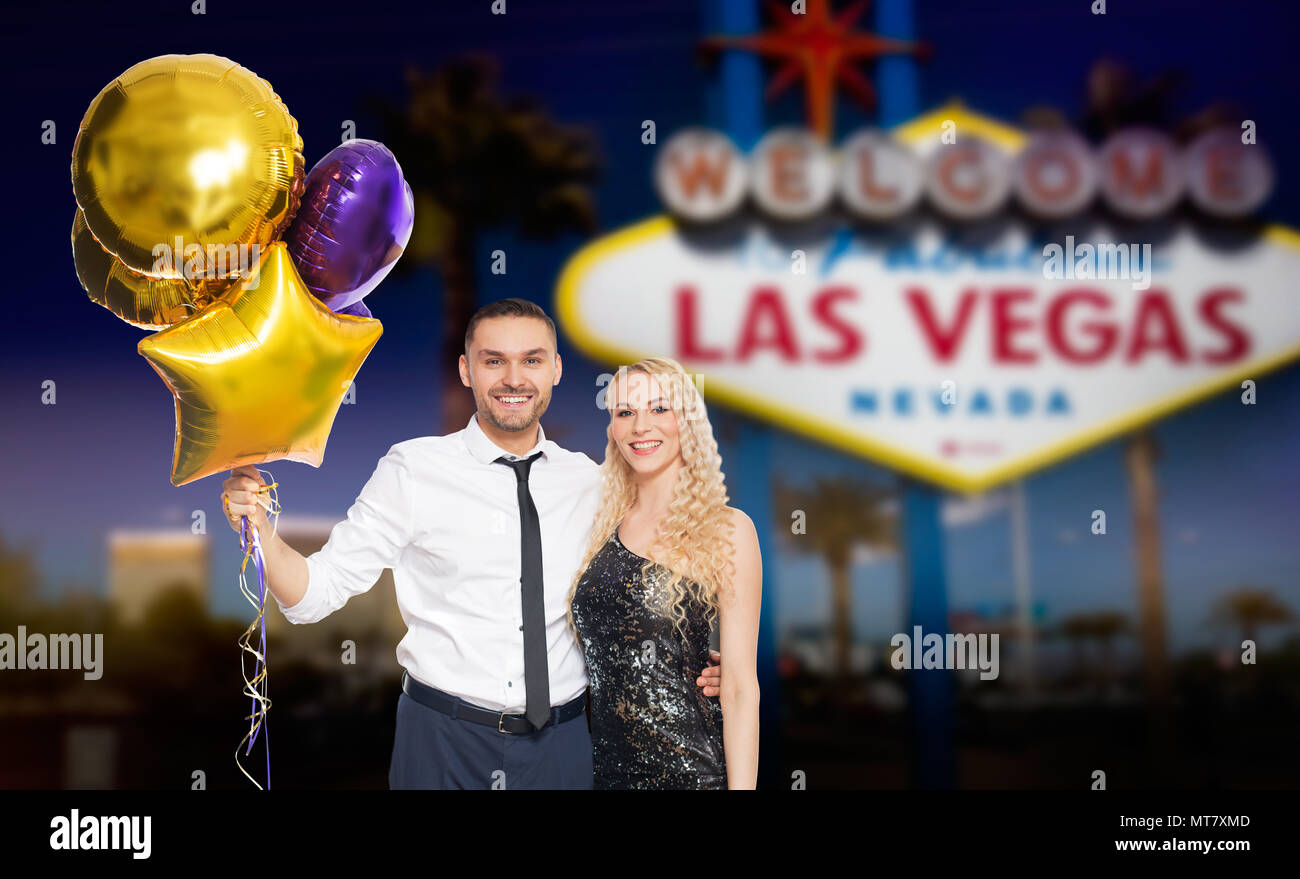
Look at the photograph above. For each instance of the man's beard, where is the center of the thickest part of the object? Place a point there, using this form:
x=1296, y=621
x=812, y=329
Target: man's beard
x=520, y=419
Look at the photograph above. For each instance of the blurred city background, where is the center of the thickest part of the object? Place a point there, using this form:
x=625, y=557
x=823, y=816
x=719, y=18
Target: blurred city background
x=523, y=133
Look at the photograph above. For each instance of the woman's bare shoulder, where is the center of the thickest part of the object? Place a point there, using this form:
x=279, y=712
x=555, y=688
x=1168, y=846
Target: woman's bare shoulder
x=746, y=574
x=743, y=533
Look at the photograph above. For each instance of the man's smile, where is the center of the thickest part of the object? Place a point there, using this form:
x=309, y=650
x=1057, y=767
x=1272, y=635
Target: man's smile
x=512, y=401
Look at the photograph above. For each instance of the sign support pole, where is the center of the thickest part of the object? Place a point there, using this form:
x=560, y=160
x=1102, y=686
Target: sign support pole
x=1024, y=598
x=931, y=691
x=1140, y=459
x=735, y=105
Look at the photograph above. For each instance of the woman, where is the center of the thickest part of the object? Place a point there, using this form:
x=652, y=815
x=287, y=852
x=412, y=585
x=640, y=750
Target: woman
x=666, y=560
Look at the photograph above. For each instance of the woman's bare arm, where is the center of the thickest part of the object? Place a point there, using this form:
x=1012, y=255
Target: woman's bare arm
x=738, y=643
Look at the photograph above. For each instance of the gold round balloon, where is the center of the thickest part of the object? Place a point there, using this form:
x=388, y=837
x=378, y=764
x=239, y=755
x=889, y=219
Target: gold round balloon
x=140, y=300
x=185, y=150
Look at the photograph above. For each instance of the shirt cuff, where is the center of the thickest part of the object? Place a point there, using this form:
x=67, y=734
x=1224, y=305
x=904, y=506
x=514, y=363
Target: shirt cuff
x=303, y=611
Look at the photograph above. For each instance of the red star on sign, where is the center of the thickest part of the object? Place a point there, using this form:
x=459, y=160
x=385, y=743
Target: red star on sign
x=822, y=48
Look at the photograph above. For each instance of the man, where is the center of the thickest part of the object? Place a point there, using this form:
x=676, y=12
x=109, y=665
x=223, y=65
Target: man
x=484, y=529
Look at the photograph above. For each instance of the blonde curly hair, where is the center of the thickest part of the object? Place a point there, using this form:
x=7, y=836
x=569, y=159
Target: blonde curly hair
x=692, y=543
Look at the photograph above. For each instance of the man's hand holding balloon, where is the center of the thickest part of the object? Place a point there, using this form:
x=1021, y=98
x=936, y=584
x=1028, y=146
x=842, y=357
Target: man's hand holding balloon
x=245, y=494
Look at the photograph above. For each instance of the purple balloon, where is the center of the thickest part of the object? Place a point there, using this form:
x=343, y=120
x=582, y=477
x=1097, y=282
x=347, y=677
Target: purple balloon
x=353, y=222
x=356, y=309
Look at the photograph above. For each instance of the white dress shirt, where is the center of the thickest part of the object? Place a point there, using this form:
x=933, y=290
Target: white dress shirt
x=446, y=520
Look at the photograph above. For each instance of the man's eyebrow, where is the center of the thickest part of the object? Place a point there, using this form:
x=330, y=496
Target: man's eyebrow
x=488, y=352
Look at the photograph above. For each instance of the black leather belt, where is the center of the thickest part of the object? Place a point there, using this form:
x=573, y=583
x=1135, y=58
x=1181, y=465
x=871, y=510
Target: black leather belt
x=512, y=724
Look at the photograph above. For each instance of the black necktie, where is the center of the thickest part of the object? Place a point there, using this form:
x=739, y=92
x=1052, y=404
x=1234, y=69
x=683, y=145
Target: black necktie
x=537, y=683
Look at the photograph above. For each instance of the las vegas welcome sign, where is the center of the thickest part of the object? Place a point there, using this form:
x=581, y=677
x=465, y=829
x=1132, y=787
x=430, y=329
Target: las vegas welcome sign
x=968, y=344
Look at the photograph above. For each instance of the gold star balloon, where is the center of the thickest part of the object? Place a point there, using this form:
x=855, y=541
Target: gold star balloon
x=186, y=152
x=258, y=375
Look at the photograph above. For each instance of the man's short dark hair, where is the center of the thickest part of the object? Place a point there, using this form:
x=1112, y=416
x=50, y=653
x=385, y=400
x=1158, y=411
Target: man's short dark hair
x=509, y=308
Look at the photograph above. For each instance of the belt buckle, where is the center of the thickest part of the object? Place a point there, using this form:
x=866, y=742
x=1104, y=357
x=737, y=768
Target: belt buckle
x=501, y=718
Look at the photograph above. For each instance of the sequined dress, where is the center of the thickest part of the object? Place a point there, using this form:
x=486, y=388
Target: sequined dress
x=651, y=726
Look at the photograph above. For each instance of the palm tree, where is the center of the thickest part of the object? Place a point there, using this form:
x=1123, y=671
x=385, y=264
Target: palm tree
x=477, y=161
x=1101, y=626
x=18, y=579
x=1250, y=608
x=840, y=514
x=1072, y=631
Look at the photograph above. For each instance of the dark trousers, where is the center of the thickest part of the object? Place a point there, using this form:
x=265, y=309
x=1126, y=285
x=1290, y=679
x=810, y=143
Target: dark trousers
x=433, y=751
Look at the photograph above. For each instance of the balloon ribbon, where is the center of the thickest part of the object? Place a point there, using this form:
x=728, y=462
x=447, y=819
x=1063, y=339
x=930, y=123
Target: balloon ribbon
x=256, y=686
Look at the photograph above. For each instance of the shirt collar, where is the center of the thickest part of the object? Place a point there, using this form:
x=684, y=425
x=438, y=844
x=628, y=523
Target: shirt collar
x=485, y=451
